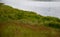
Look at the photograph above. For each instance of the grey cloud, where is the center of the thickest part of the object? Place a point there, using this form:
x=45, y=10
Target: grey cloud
x=46, y=0
x=0, y=1
x=42, y=0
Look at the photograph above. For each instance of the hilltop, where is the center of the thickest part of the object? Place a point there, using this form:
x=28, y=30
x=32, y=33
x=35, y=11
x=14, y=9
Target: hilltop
x=21, y=23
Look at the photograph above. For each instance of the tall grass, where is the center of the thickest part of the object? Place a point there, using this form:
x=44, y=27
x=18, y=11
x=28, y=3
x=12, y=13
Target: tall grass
x=20, y=23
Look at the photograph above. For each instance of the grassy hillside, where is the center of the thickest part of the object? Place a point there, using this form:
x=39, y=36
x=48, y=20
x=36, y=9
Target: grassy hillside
x=20, y=23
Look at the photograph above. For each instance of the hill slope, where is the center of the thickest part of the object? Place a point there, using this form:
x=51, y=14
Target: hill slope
x=20, y=23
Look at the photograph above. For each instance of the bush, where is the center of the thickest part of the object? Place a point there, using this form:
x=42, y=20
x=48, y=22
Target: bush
x=53, y=25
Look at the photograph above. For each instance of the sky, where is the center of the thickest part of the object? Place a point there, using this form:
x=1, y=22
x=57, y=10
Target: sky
x=40, y=7
x=30, y=0
x=0, y=0
x=46, y=0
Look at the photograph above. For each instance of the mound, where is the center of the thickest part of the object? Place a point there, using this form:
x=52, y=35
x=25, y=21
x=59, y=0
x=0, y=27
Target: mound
x=20, y=23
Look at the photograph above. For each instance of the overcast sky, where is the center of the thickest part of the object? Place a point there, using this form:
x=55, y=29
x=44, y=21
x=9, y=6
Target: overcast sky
x=46, y=0
x=43, y=8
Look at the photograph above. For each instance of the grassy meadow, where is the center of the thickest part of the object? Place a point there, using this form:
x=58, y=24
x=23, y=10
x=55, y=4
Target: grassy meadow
x=20, y=23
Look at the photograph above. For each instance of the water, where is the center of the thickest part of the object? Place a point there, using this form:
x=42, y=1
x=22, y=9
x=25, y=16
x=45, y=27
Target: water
x=43, y=8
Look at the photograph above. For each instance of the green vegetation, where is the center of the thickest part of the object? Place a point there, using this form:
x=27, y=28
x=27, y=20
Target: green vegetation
x=20, y=23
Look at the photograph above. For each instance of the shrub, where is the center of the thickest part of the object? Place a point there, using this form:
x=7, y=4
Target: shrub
x=53, y=25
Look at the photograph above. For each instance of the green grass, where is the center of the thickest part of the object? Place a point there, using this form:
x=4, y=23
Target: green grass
x=20, y=30
x=20, y=23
